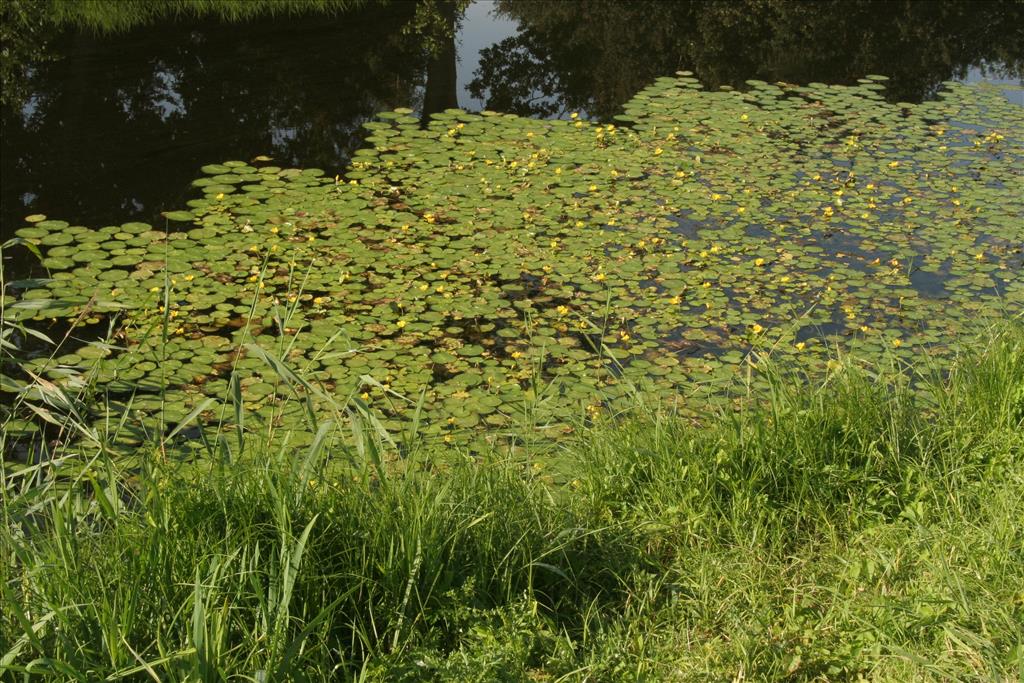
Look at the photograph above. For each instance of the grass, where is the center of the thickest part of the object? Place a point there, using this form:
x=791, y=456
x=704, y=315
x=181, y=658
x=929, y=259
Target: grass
x=858, y=528
x=122, y=15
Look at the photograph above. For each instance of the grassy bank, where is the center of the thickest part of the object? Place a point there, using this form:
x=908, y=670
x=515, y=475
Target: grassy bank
x=855, y=528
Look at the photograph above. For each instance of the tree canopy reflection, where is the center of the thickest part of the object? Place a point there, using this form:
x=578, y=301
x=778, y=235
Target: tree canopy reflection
x=594, y=54
x=122, y=125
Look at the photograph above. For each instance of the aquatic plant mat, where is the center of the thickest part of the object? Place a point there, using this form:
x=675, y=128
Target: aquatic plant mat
x=855, y=530
x=489, y=270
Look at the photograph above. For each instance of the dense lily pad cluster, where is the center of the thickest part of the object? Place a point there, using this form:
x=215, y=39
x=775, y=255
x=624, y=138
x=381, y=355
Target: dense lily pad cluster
x=505, y=265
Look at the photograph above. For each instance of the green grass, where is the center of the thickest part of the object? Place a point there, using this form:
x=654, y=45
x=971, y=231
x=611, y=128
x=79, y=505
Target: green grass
x=855, y=528
x=121, y=15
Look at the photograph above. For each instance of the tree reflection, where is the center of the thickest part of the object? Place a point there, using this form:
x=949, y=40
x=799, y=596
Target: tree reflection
x=120, y=126
x=594, y=54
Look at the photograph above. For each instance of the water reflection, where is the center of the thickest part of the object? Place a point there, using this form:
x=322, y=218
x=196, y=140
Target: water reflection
x=117, y=126
x=594, y=54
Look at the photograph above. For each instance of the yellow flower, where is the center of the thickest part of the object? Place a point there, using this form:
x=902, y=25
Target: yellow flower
x=593, y=188
x=706, y=285
x=800, y=346
x=828, y=211
x=600, y=277
x=759, y=262
x=756, y=329
x=574, y=115
x=741, y=209
x=980, y=256
x=220, y=196
x=429, y=217
x=558, y=170
x=400, y=324
x=743, y=117
x=624, y=336
x=675, y=300
x=893, y=164
x=897, y=343
x=562, y=310
x=517, y=354
x=365, y=396
x=715, y=196
x=658, y=151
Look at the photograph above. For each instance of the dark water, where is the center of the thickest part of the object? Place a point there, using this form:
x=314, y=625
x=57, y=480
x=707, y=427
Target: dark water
x=112, y=128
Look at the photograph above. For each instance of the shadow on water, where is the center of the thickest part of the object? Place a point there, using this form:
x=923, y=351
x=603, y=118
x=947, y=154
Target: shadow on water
x=116, y=126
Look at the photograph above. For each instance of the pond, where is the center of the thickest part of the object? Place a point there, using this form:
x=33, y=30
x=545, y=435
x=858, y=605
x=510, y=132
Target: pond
x=644, y=228
x=114, y=127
